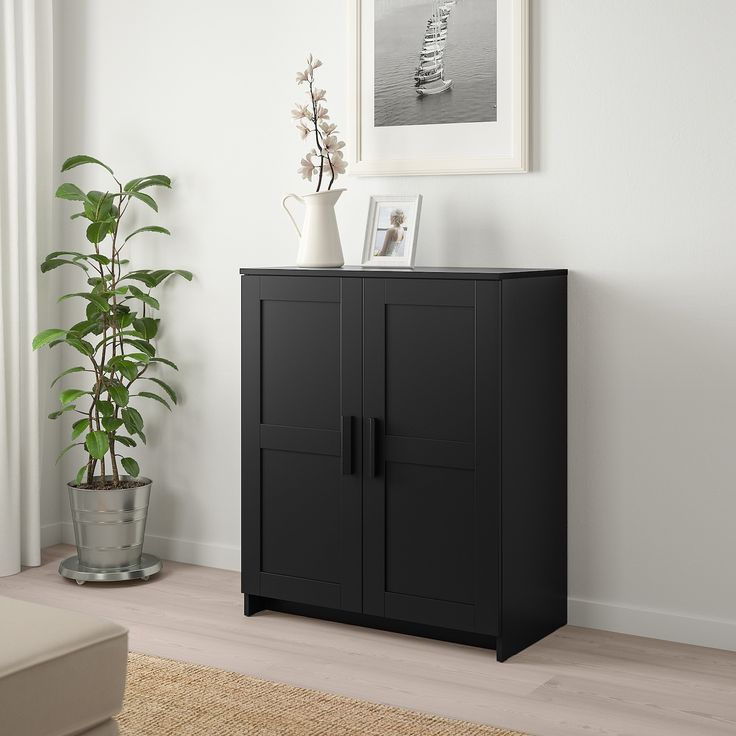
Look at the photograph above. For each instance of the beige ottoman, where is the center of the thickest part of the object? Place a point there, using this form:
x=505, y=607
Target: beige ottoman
x=61, y=673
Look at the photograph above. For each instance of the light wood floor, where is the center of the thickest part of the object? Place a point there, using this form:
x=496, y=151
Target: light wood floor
x=575, y=682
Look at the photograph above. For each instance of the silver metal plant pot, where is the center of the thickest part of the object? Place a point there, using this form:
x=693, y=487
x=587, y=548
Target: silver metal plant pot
x=109, y=525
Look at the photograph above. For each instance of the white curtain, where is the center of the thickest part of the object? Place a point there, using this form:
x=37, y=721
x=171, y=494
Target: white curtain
x=25, y=206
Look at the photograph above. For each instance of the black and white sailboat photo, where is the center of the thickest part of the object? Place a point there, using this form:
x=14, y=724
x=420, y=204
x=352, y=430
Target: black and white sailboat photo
x=430, y=74
x=435, y=62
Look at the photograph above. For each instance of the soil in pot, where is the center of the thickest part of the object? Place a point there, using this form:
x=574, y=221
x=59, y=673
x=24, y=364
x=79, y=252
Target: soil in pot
x=121, y=486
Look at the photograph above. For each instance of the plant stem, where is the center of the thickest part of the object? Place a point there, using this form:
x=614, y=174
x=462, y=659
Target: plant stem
x=316, y=131
x=115, y=328
x=332, y=171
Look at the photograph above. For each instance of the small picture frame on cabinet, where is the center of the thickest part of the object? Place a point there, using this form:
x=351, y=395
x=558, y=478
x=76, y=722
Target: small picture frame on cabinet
x=391, y=233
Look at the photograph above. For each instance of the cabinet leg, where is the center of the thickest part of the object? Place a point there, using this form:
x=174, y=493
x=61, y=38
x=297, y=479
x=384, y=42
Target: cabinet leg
x=253, y=604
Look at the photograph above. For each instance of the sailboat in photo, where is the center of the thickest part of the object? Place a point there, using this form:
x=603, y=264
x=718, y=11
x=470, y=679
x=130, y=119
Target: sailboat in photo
x=429, y=76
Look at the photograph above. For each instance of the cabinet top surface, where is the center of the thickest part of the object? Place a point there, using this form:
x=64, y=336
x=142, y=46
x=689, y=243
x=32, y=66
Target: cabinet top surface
x=426, y=272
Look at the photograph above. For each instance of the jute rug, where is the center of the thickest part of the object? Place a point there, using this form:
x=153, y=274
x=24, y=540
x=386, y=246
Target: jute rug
x=167, y=698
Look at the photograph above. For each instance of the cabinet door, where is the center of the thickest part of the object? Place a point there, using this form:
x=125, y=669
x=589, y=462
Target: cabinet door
x=431, y=452
x=302, y=484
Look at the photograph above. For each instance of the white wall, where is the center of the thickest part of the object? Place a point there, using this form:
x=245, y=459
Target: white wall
x=634, y=113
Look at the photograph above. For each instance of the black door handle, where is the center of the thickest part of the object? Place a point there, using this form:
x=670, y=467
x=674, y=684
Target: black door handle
x=346, y=445
x=371, y=447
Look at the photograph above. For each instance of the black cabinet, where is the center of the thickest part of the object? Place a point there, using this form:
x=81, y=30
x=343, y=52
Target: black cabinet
x=404, y=449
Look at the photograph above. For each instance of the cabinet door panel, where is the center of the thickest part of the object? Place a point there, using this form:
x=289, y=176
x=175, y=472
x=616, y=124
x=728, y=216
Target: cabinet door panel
x=429, y=552
x=430, y=365
x=301, y=431
x=300, y=364
x=300, y=515
x=431, y=505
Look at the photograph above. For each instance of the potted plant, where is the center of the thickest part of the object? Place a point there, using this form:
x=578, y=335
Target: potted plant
x=319, y=238
x=118, y=369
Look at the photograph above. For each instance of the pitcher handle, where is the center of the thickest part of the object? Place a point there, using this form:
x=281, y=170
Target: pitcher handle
x=291, y=217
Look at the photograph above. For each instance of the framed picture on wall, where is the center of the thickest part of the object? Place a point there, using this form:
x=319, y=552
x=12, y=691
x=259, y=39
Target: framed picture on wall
x=439, y=86
x=391, y=233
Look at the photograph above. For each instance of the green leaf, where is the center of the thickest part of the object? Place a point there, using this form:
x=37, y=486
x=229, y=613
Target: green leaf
x=125, y=319
x=47, y=336
x=131, y=466
x=165, y=362
x=119, y=394
x=127, y=369
x=80, y=329
x=147, y=199
x=98, y=301
x=57, y=414
x=80, y=474
x=146, y=327
x=104, y=260
x=132, y=419
x=113, y=362
x=71, y=191
x=81, y=345
x=136, y=293
x=78, y=427
x=142, y=345
x=100, y=206
x=97, y=444
x=164, y=273
x=58, y=253
x=143, y=182
x=50, y=265
x=160, y=275
x=140, y=357
x=165, y=386
x=93, y=312
x=77, y=369
x=111, y=424
x=110, y=338
x=106, y=408
x=74, y=161
x=149, y=395
x=66, y=449
x=72, y=394
x=127, y=441
x=143, y=277
x=98, y=231
x=148, y=229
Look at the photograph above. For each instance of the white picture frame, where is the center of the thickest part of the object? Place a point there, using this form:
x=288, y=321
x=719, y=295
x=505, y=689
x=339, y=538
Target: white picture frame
x=483, y=154
x=385, y=213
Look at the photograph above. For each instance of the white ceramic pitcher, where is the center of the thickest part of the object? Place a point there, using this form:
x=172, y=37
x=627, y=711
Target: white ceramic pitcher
x=319, y=238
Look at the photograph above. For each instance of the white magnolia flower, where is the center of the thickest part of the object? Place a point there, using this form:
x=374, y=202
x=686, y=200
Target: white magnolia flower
x=316, y=64
x=339, y=165
x=328, y=128
x=332, y=145
x=300, y=111
x=304, y=131
x=302, y=76
x=306, y=169
x=319, y=94
x=322, y=113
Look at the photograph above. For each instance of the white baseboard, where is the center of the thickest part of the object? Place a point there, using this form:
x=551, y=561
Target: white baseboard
x=52, y=534
x=223, y=556
x=656, y=624
x=705, y=632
